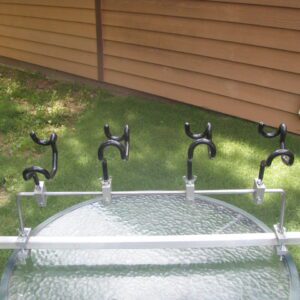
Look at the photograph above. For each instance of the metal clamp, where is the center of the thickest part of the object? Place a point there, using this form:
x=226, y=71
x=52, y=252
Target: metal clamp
x=40, y=191
x=24, y=253
x=106, y=189
x=259, y=193
x=281, y=238
x=190, y=188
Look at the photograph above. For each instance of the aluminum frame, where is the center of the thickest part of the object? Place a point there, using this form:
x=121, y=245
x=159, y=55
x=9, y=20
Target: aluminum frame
x=107, y=199
x=148, y=242
x=279, y=238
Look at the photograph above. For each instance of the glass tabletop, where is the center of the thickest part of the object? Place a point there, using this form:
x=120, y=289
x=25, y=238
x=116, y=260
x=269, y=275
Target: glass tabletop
x=218, y=273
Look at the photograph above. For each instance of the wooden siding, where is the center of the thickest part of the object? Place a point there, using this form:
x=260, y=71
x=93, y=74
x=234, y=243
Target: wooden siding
x=240, y=57
x=58, y=34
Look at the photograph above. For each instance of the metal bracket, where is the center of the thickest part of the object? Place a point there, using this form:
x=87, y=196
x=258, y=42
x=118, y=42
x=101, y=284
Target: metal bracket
x=281, y=237
x=106, y=190
x=190, y=188
x=24, y=253
x=39, y=191
x=259, y=193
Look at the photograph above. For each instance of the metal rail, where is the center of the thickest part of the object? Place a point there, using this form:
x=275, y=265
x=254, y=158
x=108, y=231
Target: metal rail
x=198, y=192
x=278, y=238
x=148, y=242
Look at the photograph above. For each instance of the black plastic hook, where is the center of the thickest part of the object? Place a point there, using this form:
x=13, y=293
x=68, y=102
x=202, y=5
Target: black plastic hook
x=204, y=138
x=286, y=155
x=31, y=172
x=125, y=137
x=114, y=141
x=267, y=163
x=206, y=134
x=281, y=132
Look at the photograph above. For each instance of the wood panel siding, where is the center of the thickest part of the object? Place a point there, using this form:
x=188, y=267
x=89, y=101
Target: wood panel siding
x=278, y=17
x=210, y=101
x=55, y=34
x=239, y=57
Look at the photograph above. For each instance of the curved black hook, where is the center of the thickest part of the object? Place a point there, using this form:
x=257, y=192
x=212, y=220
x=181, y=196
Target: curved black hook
x=204, y=138
x=125, y=137
x=31, y=172
x=212, y=151
x=206, y=134
x=110, y=143
x=114, y=141
x=282, y=133
x=268, y=162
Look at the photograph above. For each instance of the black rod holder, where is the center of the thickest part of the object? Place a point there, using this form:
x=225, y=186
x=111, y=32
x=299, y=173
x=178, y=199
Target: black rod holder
x=204, y=138
x=114, y=141
x=268, y=162
x=286, y=155
x=32, y=172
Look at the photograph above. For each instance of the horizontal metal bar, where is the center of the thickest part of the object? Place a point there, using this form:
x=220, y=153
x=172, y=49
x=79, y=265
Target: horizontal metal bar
x=235, y=191
x=199, y=192
x=148, y=242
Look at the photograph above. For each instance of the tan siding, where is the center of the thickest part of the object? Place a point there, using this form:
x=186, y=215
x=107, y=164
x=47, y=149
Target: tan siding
x=227, y=56
x=49, y=12
x=230, y=12
x=55, y=34
x=279, y=3
x=210, y=101
x=229, y=88
x=58, y=3
x=223, y=31
x=259, y=56
x=284, y=81
x=50, y=62
x=55, y=26
x=62, y=40
x=50, y=50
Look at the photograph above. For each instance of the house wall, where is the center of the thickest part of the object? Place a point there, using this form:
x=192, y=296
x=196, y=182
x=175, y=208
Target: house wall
x=58, y=34
x=237, y=57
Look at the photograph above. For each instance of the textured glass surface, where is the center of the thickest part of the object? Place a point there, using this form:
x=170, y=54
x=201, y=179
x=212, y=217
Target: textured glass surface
x=240, y=273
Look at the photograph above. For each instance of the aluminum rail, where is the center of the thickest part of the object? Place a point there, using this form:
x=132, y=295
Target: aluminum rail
x=199, y=192
x=96, y=193
x=147, y=242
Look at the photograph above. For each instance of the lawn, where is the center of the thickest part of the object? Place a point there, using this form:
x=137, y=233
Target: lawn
x=77, y=113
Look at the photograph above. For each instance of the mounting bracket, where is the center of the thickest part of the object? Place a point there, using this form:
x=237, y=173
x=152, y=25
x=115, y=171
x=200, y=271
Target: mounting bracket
x=106, y=189
x=24, y=253
x=190, y=188
x=281, y=237
x=259, y=193
x=40, y=191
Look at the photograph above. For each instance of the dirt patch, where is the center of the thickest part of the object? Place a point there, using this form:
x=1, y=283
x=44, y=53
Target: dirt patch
x=1, y=139
x=3, y=198
x=74, y=106
x=40, y=84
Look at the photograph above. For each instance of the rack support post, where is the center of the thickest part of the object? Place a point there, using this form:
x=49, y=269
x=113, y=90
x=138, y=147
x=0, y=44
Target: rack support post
x=259, y=193
x=106, y=190
x=40, y=191
x=190, y=188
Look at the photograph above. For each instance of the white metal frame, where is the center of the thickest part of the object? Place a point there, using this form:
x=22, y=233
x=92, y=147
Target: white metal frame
x=148, y=242
x=278, y=238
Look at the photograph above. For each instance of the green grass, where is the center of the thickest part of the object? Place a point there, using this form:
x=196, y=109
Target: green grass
x=158, y=149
